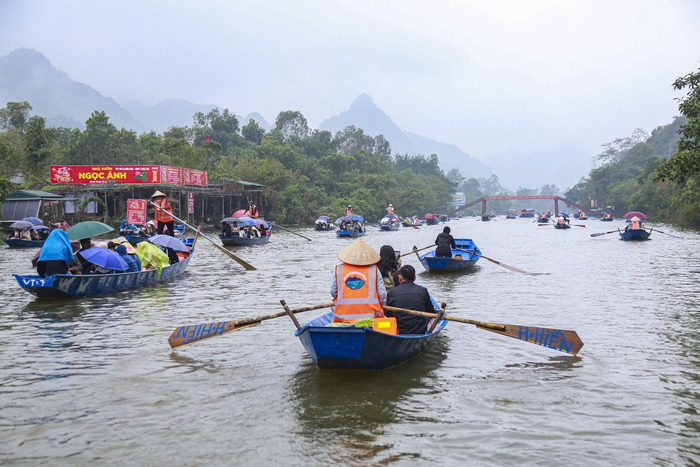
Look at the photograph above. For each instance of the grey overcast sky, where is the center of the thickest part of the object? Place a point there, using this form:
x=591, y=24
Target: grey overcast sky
x=490, y=76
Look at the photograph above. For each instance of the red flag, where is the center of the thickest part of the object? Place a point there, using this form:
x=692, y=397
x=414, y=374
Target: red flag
x=206, y=136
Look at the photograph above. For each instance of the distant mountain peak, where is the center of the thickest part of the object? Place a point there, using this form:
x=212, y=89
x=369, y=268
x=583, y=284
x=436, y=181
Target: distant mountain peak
x=362, y=101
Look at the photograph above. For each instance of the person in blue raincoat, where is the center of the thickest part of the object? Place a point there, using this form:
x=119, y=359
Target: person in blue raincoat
x=121, y=250
x=56, y=254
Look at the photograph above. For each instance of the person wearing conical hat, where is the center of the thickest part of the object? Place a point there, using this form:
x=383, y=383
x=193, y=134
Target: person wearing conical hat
x=163, y=213
x=358, y=289
x=390, y=209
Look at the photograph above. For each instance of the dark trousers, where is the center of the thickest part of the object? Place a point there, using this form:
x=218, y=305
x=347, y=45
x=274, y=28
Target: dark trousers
x=170, y=225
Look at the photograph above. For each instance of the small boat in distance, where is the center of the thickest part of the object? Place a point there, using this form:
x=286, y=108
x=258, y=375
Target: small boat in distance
x=350, y=226
x=511, y=214
x=464, y=257
x=390, y=223
x=324, y=224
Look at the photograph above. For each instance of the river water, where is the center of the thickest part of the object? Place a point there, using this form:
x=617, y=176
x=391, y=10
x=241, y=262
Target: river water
x=95, y=381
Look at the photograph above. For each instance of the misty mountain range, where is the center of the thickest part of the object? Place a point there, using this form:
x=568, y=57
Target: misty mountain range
x=27, y=75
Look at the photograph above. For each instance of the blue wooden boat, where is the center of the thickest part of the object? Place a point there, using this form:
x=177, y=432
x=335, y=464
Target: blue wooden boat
x=236, y=240
x=511, y=214
x=635, y=235
x=360, y=348
x=562, y=226
x=341, y=233
x=76, y=286
x=390, y=223
x=21, y=243
x=543, y=220
x=463, y=258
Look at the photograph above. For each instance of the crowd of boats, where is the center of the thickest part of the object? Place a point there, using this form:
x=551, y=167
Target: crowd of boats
x=363, y=347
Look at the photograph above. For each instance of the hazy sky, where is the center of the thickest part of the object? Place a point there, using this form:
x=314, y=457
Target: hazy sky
x=490, y=76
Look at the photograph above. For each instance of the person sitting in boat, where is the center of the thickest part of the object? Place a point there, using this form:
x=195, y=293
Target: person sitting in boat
x=348, y=210
x=126, y=228
x=225, y=229
x=81, y=265
x=635, y=224
x=389, y=264
x=445, y=242
x=549, y=213
x=252, y=210
x=63, y=225
x=390, y=209
x=121, y=251
x=34, y=234
x=56, y=255
x=357, y=288
x=411, y=296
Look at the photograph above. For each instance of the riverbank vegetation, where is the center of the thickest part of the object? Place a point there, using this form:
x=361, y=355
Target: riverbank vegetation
x=309, y=172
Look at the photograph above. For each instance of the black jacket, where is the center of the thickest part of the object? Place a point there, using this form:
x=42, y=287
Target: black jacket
x=413, y=297
x=444, y=241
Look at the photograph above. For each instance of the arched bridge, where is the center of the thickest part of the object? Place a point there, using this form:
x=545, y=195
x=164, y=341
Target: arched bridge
x=484, y=199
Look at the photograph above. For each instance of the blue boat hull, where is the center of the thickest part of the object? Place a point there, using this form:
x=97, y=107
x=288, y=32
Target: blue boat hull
x=562, y=226
x=466, y=248
x=357, y=348
x=635, y=235
x=244, y=241
x=70, y=286
x=390, y=228
x=349, y=233
x=19, y=243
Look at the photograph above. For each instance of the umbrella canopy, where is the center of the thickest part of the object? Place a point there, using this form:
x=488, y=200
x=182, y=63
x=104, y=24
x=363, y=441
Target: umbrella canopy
x=239, y=213
x=168, y=242
x=88, y=229
x=259, y=222
x=244, y=221
x=21, y=225
x=349, y=218
x=33, y=220
x=40, y=227
x=429, y=216
x=106, y=258
x=631, y=214
x=322, y=219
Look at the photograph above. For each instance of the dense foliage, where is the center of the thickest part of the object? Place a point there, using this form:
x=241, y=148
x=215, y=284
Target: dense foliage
x=310, y=172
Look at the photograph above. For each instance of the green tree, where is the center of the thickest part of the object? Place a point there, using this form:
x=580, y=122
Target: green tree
x=37, y=146
x=291, y=124
x=15, y=115
x=253, y=132
x=686, y=162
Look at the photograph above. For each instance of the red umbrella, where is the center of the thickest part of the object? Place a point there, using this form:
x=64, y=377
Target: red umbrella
x=631, y=214
x=239, y=213
x=429, y=216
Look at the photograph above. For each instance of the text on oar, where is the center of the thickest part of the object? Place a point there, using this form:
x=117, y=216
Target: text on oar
x=554, y=339
x=200, y=331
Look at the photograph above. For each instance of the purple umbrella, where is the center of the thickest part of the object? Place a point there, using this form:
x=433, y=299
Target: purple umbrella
x=168, y=242
x=106, y=258
x=631, y=214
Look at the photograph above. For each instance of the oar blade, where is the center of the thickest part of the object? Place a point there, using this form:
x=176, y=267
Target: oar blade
x=240, y=261
x=556, y=339
x=185, y=335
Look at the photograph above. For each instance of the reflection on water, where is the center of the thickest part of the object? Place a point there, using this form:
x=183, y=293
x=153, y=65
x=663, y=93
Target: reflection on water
x=95, y=381
x=343, y=414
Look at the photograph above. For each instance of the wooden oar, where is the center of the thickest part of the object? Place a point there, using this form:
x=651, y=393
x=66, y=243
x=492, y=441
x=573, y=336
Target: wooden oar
x=510, y=268
x=579, y=225
x=292, y=232
x=415, y=250
x=240, y=261
x=657, y=230
x=409, y=223
x=185, y=335
x=605, y=233
x=557, y=339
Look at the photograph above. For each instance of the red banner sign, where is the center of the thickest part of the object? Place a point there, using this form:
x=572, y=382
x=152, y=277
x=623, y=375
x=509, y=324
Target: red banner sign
x=127, y=175
x=171, y=175
x=195, y=177
x=96, y=174
x=136, y=211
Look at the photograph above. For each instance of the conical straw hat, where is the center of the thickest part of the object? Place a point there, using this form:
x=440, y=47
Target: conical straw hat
x=635, y=218
x=157, y=193
x=358, y=253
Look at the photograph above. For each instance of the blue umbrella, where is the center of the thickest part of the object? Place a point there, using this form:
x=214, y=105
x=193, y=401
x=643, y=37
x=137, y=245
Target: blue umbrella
x=21, y=225
x=349, y=218
x=106, y=258
x=322, y=219
x=168, y=242
x=40, y=227
x=33, y=220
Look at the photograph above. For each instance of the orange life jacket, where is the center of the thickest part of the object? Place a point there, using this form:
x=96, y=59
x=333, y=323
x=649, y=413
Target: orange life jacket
x=635, y=225
x=162, y=216
x=357, y=294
